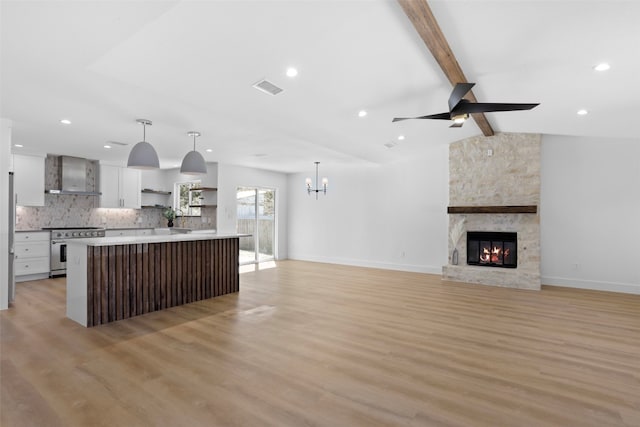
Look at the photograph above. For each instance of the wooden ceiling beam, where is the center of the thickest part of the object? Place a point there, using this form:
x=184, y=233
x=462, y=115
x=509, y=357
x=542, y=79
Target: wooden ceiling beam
x=420, y=15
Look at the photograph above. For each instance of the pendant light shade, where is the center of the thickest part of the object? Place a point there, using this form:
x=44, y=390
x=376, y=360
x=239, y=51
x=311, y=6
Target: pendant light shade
x=193, y=163
x=143, y=155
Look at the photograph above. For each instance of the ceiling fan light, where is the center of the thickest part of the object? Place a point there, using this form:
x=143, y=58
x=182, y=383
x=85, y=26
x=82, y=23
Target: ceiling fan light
x=143, y=156
x=460, y=119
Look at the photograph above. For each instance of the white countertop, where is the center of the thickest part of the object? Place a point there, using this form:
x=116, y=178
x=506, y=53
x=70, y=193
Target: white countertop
x=132, y=240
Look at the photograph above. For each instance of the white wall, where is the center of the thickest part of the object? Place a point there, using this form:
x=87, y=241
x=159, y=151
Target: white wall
x=5, y=156
x=164, y=179
x=231, y=177
x=392, y=217
x=155, y=179
x=590, y=213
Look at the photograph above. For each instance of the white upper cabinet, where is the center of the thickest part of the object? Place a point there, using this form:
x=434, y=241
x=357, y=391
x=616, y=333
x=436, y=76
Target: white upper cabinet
x=109, y=187
x=130, y=188
x=28, y=179
x=120, y=187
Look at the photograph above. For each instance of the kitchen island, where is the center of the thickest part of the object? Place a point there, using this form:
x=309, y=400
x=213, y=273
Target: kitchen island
x=114, y=278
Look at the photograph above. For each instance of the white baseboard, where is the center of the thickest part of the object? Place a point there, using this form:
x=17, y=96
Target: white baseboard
x=627, y=288
x=371, y=264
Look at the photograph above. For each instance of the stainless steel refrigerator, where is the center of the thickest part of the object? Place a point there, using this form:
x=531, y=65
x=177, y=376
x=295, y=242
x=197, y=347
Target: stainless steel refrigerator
x=12, y=229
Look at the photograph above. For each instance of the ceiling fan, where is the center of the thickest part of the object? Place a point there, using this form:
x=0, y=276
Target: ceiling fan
x=459, y=109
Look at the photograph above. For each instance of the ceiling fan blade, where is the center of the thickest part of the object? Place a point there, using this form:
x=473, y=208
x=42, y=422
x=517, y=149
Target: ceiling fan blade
x=488, y=107
x=460, y=90
x=456, y=125
x=439, y=116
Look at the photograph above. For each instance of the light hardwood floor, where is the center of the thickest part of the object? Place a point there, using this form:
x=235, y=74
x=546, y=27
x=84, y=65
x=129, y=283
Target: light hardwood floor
x=326, y=345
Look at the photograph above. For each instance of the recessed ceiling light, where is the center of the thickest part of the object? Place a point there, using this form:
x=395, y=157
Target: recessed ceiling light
x=602, y=67
x=362, y=113
x=107, y=146
x=209, y=150
x=582, y=112
x=18, y=145
x=65, y=121
x=112, y=143
x=401, y=138
x=292, y=72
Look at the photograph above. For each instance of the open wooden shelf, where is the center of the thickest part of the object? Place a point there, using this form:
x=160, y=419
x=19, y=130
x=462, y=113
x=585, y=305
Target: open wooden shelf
x=150, y=191
x=154, y=207
x=204, y=189
x=526, y=209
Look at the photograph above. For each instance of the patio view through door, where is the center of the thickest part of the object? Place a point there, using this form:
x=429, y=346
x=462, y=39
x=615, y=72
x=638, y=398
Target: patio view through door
x=256, y=216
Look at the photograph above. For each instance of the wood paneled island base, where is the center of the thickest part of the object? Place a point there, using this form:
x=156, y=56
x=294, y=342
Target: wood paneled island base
x=127, y=280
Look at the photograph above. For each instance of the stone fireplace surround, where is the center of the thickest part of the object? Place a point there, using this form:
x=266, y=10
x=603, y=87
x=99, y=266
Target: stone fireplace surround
x=501, y=170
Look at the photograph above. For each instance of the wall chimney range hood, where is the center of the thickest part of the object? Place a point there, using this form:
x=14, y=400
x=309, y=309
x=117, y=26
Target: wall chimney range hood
x=73, y=177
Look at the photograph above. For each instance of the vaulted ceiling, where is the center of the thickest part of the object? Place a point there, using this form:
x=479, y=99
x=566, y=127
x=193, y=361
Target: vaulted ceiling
x=190, y=65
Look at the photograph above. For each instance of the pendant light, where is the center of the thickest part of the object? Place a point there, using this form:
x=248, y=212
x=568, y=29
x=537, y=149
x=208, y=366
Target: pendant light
x=193, y=163
x=143, y=155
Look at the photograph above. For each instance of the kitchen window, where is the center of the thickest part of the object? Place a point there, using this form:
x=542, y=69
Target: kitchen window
x=187, y=200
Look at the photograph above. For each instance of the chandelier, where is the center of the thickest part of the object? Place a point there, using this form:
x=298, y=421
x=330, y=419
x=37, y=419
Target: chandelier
x=317, y=190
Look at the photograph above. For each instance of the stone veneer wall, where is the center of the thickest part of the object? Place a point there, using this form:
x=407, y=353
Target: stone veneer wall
x=83, y=211
x=509, y=176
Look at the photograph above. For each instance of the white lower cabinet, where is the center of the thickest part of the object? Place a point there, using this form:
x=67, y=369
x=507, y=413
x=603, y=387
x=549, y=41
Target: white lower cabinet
x=31, y=255
x=119, y=233
x=128, y=232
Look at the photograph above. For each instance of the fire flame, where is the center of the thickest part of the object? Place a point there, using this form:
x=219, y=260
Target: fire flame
x=494, y=255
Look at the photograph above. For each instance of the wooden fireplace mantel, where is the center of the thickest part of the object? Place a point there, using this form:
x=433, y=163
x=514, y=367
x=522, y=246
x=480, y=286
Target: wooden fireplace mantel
x=526, y=209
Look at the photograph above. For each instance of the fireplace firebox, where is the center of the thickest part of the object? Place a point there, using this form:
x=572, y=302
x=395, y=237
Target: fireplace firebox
x=492, y=249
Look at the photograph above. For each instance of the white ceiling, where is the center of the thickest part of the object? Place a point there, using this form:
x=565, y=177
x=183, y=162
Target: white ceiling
x=190, y=65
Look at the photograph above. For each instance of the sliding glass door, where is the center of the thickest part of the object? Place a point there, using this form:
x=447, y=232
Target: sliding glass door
x=256, y=216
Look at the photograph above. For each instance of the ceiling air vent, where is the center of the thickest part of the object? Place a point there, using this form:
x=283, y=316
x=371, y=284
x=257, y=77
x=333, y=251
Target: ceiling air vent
x=390, y=144
x=267, y=87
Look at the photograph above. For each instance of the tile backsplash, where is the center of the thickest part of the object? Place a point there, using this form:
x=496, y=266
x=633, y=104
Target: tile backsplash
x=80, y=211
x=83, y=211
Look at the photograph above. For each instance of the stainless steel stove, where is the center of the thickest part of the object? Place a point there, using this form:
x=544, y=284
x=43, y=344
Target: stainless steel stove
x=76, y=232
x=59, y=238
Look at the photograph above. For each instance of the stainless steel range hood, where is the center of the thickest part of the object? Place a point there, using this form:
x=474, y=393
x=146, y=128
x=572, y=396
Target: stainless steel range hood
x=73, y=177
